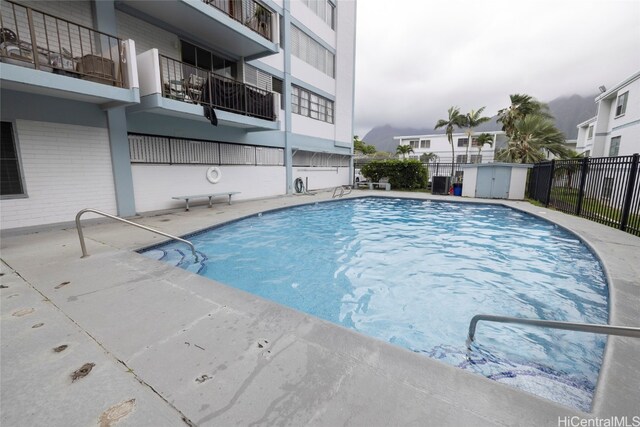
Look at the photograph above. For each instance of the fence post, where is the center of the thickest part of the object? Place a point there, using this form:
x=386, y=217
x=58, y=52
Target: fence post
x=631, y=183
x=552, y=168
x=583, y=181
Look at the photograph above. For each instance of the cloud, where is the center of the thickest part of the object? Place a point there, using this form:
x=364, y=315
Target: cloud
x=415, y=59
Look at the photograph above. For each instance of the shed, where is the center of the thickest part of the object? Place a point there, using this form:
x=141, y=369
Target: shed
x=495, y=180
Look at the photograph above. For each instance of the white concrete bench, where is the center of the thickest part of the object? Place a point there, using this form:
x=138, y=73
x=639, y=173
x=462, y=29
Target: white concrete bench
x=210, y=196
x=380, y=184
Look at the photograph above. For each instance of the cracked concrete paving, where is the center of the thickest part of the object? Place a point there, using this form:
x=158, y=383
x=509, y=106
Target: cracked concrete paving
x=182, y=345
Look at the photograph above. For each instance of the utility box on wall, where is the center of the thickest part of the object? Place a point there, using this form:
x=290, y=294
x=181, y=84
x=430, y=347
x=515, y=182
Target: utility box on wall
x=495, y=180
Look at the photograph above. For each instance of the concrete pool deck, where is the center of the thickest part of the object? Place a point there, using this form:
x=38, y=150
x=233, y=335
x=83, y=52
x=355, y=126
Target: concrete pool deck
x=169, y=347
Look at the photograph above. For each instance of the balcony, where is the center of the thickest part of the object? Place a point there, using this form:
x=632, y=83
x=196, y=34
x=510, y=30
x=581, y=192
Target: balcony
x=43, y=54
x=249, y=13
x=178, y=89
x=236, y=28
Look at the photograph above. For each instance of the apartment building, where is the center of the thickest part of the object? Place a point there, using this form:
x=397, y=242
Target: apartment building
x=464, y=153
x=615, y=130
x=121, y=105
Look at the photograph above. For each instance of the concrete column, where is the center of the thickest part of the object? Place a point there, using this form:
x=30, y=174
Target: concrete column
x=120, y=161
x=104, y=20
x=285, y=29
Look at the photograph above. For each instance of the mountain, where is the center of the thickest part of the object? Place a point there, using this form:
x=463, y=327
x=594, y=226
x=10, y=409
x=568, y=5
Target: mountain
x=568, y=111
x=571, y=111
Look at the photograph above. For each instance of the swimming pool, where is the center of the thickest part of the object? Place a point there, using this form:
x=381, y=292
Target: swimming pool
x=414, y=272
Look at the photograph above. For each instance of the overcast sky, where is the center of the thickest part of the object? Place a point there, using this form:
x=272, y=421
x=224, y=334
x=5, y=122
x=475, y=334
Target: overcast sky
x=416, y=58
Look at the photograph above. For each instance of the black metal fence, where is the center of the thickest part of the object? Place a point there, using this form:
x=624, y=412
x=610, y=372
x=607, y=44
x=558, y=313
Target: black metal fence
x=602, y=189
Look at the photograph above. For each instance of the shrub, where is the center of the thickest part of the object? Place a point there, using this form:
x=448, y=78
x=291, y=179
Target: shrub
x=406, y=174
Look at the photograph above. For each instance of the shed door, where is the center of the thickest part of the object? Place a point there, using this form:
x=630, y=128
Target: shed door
x=501, y=179
x=493, y=182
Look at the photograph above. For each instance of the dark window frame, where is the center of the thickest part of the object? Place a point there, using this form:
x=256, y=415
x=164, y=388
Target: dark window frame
x=616, y=144
x=321, y=109
x=17, y=159
x=621, y=108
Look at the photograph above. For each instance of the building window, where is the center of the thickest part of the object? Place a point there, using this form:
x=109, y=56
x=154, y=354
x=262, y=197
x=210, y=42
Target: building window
x=206, y=60
x=10, y=178
x=463, y=142
x=324, y=9
x=476, y=158
x=590, y=134
x=312, y=52
x=414, y=143
x=474, y=142
x=614, y=147
x=425, y=143
x=607, y=188
x=311, y=105
x=621, y=105
x=587, y=153
x=461, y=158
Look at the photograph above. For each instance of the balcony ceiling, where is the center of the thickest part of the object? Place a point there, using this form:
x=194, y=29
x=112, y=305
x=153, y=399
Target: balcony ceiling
x=202, y=23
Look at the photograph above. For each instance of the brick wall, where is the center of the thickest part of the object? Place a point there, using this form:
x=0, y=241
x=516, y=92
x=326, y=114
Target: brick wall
x=66, y=168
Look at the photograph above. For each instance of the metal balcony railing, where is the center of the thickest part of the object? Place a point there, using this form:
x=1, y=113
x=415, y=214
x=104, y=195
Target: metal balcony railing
x=187, y=83
x=38, y=40
x=248, y=12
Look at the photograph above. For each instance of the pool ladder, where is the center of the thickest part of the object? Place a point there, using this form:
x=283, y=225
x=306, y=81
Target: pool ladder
x=569, y=326
x=117, y=218
x=342, y=193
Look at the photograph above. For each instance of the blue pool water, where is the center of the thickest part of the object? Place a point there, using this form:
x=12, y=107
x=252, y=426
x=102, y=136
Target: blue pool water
x=413, y=273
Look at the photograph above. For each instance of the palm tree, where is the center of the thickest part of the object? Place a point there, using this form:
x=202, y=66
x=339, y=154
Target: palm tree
x=404, y=150
x=531, y=136
x=482, y=140
x=363, y=147
x=428, y=157
x=521, y=107
x=455, y=120
x=471, y=120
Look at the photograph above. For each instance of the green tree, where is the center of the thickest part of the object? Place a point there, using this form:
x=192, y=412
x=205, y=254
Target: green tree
x=428, y=157
x=403, y=150
x=531, y=137
x=521, y=107
x=482, y=140
x=472, y=120
x=363, y=147
x=454, y=120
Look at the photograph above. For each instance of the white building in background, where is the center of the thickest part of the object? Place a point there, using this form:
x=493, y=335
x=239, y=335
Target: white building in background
x=120, y=105
x=439, y=145
x=615, y=130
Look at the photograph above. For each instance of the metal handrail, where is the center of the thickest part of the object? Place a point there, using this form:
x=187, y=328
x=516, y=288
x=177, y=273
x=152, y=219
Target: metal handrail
x=117, y=218
x=342, y=193
x=626, y=331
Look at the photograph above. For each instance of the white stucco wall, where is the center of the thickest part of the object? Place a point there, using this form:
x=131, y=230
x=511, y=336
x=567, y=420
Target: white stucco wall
x=322, y=177
x=66, y=168
x=311, y=127
x=154, y=185
x=345, y=70
x=439, y=144
x=302, y=13
x=307, y=73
